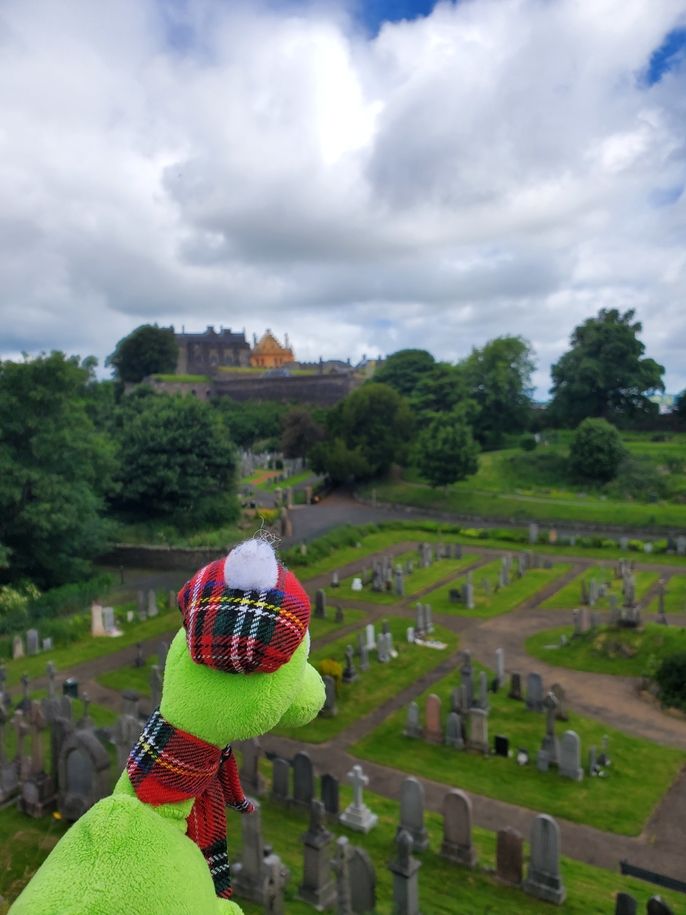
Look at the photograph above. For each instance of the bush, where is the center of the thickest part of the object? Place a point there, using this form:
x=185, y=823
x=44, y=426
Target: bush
x=671, y=679
x=596, y=451
x=528, y=443
x=330, y=668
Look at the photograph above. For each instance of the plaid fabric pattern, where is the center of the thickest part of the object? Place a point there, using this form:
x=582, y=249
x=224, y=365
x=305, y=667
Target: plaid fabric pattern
x=168, y=765
x=241, y=632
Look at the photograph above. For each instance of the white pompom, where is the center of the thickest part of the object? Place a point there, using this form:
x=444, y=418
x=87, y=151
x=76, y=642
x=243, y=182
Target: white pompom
x=251, y=566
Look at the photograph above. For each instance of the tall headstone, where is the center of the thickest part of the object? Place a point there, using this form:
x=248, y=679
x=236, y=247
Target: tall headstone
x=329, y=709
x=152, y=603
x=534, y=692
x=433, y=731
x=453, y=731
x=251, y=875
x=330, y=791
x=355, y=879
x=405, y=870
x=281, y=778
x=509, y=856
x=533, y=533
x=457, y=829
x=32, y=642
x=318, y=887
x=252, y=781
x=543, y=878
x=500, y=666
x=303, y=779
x=97, y=625
x=478, y=730
x=515, y=686
x=412, y=812
x=320, y=603
x=549, y=753
x=413, y=726
x=570, y=756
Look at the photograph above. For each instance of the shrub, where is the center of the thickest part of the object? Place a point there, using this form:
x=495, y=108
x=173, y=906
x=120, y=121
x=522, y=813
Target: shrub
x=528, y=443
x=330, y=668
x=596, y=450
x=670, y=676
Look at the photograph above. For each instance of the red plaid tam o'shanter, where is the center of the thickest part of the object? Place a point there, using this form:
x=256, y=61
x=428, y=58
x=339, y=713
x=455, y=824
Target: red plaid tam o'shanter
x=243, y=632
x=168, y=765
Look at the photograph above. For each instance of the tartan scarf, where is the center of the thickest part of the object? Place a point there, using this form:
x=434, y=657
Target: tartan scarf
x=168, y=765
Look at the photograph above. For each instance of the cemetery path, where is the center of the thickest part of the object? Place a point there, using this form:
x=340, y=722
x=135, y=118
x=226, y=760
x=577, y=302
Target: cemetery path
x=664, y=853
x=607, y=697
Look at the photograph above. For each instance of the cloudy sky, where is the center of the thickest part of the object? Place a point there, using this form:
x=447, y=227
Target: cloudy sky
x=364, y=176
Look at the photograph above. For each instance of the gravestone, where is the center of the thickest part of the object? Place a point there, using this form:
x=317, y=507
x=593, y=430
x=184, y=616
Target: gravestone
x=303, y=779
x=329, y=709
x=533, y=533
x=251, y=875
x=413, y=726
x=171, y=600
x=251, y=780
x=482, y=701
x=357, y=815
x=428, y=618
x=335, y=583
x=570, y=756
x=501, y=746
x=478, y=731
x=97, y=624
x=412, y=813
x=17, y=647
x=399, y=582
x=453, y=732
x=349, y=672
x=281, y=777
x=625, y=904
x=457, y=829
x=371, y=636
x=543, y=878
x=152, y=603
x=277, y=876
x=355, y=879
x=318, y=887
x=405, y=871
x=433, y=732
x=657, y=906
x=140, y=598
x=83, y=774
x=32, y=642
x=338, y=614
x=549, y=754
x=534, y=692
x=468, y=595
x=108, y=621
x=420, y=620
x=48, y=643
x=515, y=686
x=500, y=666
x=466, y=677
x=509, y=856
x=561, y=711
x=320, y=603
x=330, y=793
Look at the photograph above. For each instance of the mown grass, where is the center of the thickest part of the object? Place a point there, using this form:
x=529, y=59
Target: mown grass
x=495, y=603
x=89, y=648
x=620, y=803
x=444, y=888
x=376, y=685
x=414, y=582
x=622, y=652
x=569, y=597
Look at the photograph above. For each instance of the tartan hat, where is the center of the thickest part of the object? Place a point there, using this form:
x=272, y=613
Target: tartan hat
x=246, y=613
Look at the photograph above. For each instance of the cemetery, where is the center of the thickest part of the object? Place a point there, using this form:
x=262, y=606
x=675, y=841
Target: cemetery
x=400, y=676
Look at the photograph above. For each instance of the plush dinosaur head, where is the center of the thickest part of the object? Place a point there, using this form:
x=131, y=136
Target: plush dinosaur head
x=239, y=667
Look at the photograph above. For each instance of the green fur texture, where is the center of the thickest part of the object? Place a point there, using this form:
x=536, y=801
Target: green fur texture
x=128, y=858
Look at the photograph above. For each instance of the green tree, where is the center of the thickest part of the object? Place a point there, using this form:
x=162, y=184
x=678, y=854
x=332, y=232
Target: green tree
x=596, y=450
x=604, y=374
x=498, y=380
x=146, y=350
x=300, y=432
x=403, y=370
x=176, y=462
x=55, y=469
x=251, y=424
x=446, y=450
x=680, y=406
x=366, y=433
x=442, y=390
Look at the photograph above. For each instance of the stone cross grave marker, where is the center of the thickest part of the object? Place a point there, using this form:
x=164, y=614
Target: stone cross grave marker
x=357, y=815
x=543, y=878
x=405, y=870
x=509, y=861
x=457, y=829
x=412, y=813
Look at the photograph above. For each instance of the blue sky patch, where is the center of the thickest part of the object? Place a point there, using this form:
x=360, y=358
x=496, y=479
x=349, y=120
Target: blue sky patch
x=670, y=54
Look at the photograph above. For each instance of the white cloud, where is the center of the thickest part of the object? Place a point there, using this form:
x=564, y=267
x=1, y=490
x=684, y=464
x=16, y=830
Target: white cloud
x=498, y=166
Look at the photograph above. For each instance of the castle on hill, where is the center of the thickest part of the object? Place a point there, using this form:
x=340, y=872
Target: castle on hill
x=200, y=354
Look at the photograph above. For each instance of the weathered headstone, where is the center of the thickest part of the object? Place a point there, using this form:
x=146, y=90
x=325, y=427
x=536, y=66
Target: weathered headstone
x=625, y=904
x=533, y=533
x=339, y=616
x=657, y=906
x=559, y=692
x=303, y=779
x=83, y=773
x=330, y=790
x=355, y=879
x=543, y=878
x=500, y=666
x=329, y=709
x=433, y=731
x=457, y=829
x=534, y=692
x=509, y=856
x=478, y=730
x=549, y=753
x=32, y=642
x=320, y=603
x=251, y=875
x=252, y=781
x=281, y=777
x=318, y=887
x=412, y=812
x=349, y=672
x=501, y=746
x=570, y=756
x=515, y=686
x=453, y=732
x=152, y=603
x=413, y=726
x=405, y=871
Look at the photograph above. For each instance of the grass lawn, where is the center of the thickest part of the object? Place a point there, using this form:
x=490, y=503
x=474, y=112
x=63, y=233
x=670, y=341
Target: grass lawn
x=623, y=652
x=569, y=597
x=444, y=888
x=89, y=648
x=376, y=685
x=502, y=601
x=472, y=498
x=675, y=596
x=414, y=583
x=598, y=802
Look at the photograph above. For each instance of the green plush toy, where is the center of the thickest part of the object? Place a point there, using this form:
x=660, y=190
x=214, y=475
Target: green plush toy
x=238, y=668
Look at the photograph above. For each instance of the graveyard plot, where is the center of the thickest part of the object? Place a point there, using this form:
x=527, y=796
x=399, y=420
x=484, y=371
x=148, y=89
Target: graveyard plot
x=606, y=650
x=487, y=600
x=599, y=802
x=675, y=596
x=376, y=685
x=572, y=595
x=444, y=888
x=89, y=648
x=413, y=582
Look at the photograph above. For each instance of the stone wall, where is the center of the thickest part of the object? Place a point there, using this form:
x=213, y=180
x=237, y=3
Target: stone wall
x=323, y=390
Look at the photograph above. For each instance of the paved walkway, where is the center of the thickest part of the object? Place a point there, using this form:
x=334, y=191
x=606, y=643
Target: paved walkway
x=613, y=700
